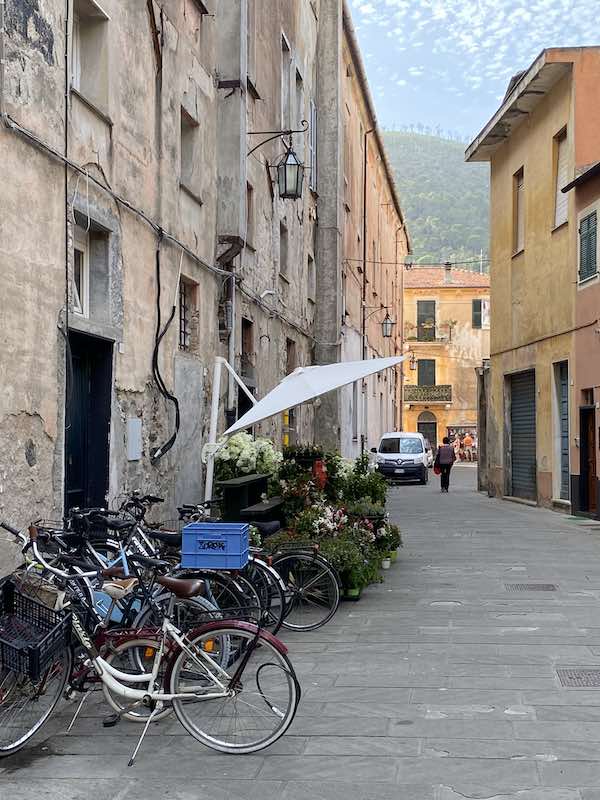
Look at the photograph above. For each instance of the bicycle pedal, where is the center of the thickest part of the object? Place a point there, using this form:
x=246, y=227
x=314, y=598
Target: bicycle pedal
x=111, y=721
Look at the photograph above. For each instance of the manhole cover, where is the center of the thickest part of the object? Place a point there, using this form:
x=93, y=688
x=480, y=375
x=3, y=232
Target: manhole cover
x=530, y=587
x=578, y=677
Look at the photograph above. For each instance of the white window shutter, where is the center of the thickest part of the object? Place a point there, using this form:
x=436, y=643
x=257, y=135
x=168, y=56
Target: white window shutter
x=562, y=200
x=520, y=214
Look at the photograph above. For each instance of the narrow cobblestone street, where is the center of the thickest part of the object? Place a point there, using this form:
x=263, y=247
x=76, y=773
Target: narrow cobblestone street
x=439, y=684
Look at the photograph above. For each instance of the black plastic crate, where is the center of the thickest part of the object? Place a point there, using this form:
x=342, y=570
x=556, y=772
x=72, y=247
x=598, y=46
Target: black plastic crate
x=30, y=634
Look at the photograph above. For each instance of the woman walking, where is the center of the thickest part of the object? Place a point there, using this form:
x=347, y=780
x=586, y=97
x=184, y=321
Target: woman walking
x=444, y=460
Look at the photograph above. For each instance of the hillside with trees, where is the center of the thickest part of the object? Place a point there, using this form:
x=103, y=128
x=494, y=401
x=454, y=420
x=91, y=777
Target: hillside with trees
x=446, y=201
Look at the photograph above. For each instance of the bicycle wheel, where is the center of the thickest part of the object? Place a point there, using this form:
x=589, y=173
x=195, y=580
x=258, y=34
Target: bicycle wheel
x=25, y=706
x=267, y=585
x=312, y=590
x=134, y=656
x=261, y=694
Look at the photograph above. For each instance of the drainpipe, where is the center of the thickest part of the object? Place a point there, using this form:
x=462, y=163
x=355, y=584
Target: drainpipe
x=231, y=404
x=364, y=283
x=66, y=190
x=2, y=60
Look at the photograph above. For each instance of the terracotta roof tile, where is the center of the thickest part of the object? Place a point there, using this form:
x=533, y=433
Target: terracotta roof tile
x=432, y=277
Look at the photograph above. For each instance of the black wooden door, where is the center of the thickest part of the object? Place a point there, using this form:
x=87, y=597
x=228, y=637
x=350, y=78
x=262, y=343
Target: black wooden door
x=523, y=436
x=87, y=421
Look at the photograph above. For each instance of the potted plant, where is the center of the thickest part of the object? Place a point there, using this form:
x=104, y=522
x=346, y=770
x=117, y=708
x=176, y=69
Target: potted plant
x=304, y=455
x=366, y=509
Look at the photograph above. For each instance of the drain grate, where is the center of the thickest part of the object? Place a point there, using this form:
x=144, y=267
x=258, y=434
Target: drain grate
x=579, y=677
x=530, y=587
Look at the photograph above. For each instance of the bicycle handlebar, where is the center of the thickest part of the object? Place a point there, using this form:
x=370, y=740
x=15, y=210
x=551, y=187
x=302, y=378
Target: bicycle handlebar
x=33, y=537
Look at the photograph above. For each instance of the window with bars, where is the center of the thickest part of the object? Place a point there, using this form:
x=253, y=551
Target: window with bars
x=187, y=309
x=588, y=261
x=426, y=372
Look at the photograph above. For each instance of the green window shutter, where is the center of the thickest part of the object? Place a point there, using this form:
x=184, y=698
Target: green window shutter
x=426, y=373
x=587, y=247
x=476, y=314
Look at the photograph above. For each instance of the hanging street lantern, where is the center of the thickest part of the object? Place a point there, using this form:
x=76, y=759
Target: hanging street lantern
x=387, y=326
x=290, y=176
x=413, y=360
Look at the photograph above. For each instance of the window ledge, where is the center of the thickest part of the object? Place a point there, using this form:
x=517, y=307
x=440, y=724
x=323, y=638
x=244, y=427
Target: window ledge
x=284, y=278
x=560, y=227
x=92, y=107
x=590, y=279
x=191, y=193
x=251, y=87
x=518, y=253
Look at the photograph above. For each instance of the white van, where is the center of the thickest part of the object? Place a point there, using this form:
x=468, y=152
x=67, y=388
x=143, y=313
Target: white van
x=403, y=457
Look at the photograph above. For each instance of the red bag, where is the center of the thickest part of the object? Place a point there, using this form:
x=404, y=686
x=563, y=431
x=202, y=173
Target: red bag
x=437, y=469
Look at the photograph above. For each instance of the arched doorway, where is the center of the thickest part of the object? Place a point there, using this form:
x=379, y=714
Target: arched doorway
x=427, y=425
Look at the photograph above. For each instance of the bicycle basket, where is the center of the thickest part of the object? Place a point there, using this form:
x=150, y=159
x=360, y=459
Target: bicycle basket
x=30, y=633
x=37, y=588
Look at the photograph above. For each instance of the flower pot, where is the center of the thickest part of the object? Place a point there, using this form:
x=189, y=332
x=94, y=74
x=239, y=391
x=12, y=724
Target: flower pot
x=386, y=563
x=394, y=556
x=353, y=593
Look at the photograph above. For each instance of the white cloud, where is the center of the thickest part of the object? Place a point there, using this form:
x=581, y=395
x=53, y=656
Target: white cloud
x=473, y=46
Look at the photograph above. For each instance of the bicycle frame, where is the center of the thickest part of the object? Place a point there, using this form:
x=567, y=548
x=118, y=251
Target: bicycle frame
x=115, y=679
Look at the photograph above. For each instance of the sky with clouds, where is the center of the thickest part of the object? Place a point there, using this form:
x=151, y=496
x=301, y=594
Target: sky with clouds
x=446, y=63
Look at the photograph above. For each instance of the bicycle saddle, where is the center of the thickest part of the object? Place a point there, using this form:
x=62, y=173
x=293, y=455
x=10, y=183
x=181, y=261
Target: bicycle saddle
x=267, y=529
x=185, y=588
x=119, y=588
x=170, y=538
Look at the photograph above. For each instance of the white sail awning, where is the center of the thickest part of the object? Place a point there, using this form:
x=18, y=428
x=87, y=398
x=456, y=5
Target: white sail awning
x=306, y=383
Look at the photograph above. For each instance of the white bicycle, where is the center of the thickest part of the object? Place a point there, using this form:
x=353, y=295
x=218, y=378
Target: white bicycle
x=229, y=682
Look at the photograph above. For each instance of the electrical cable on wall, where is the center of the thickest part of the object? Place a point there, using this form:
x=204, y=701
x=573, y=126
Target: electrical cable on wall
x=159, y=452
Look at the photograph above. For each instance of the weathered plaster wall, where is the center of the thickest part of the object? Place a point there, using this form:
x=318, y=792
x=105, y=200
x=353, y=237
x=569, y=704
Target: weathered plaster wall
x=132, y=146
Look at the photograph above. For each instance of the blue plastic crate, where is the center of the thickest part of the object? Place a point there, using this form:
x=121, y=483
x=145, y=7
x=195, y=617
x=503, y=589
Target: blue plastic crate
x=214, y=545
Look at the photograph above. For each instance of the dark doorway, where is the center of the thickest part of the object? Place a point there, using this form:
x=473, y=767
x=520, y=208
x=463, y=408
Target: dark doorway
x=427, y=425
x=588, y=459
x=87, y=422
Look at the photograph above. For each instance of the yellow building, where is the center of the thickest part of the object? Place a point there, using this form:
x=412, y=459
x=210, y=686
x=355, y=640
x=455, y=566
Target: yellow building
x=543, y=134
x=447, y=328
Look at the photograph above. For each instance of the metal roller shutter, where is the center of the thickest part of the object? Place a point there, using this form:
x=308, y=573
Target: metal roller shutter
x=523, y=442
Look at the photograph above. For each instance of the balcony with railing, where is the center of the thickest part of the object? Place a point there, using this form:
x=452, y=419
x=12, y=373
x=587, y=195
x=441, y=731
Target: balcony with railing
x=440, y=393
x=429, y=333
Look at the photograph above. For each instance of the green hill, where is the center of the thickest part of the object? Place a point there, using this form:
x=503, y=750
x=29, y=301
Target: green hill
x=446, y=201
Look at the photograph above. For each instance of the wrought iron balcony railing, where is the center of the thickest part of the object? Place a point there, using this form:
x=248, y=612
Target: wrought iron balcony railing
x=441, y=393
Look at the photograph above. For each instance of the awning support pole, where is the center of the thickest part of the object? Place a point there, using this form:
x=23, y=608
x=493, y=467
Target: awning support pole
x=212, y=434
x=240, y=383
x=214, y=418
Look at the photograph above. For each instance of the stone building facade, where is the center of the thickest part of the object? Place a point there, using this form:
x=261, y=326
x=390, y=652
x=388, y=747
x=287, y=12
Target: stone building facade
x=138, y=239
x=363, y=244
x=447, y=328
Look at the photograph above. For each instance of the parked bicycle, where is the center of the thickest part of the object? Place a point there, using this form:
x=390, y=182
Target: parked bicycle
x=230, y=683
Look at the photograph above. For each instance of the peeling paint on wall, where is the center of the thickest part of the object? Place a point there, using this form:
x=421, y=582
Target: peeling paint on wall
x=24, y=18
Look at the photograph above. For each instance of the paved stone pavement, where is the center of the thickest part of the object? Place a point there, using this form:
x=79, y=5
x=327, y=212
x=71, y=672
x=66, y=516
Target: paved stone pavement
x=438, y=685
